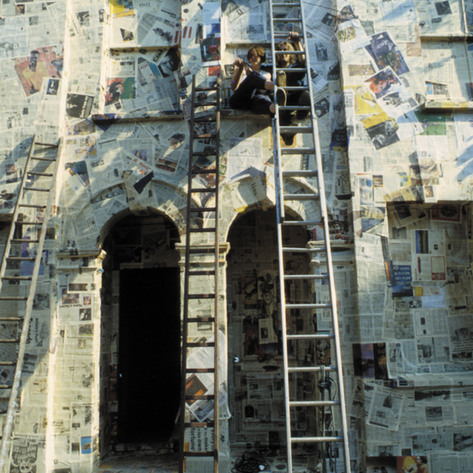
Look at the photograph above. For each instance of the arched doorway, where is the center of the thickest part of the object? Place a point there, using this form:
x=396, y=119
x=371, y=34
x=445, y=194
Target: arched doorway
x=256, y=386
x=140, y=332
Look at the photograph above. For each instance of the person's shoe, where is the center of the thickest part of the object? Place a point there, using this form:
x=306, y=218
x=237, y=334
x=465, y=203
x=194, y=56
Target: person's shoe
x=281, y=97
x=304, y=99
x=288, y=138
x=281, y=79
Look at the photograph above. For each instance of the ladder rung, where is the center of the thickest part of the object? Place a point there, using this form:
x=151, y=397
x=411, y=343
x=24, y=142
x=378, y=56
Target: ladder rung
x=289, y=5
x=37, y=189
x=301, y=196
x=200, y=370
x=302, y=222
x=199, y=397
x=5, y=386
x=299, y=173
x=295, y=129
x=203, y=189
x=200, y=344
x=318, y=242
x=202, y=209
x=203, y=153
x=35, y=173
x=311, y=369
x=17, y=278
x=25, y=222
x=201, y=296
x=11, y=319
x=305, y=276
x=287, y=20
x=39, y=158
x=204, y=425
x=196, y=251
x=205, y=89
x=291, y=69
x=202, y=136
x=316, y=439
x=205, y=120
x=286, y=151
x=20, y=258
x=7, y=363
x=293, y=107
x=13, y=298
x=309, y=336
x=294, y=88
x=46, y=145
x=33, y=206
x=288, y=249
x=308, y=306
x=204, y=272
x=204, y=171
x=206, y=103
x=23, y=240
x=8, y=340
x=202, y=230
x=200, y=319
x=201, y=454
x=328, y=402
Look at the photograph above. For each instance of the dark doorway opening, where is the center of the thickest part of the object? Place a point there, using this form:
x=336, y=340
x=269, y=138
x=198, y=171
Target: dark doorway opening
x=140, y=356
x=149, y=364
x=254, y=327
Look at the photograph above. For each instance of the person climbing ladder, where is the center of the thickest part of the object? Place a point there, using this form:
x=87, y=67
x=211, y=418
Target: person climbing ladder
x=292, y=78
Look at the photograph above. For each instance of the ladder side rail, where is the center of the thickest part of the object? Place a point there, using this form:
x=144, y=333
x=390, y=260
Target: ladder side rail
x=282, y=303
x=332, y=291
x=188, y=296
x=186, y=285
x=275, y=123
x=280, y=216
x=4, y=451
x=16, y=212
x=188, y=234
x=216, y=286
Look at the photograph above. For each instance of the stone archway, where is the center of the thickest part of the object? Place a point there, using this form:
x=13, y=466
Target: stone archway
x=256, y=395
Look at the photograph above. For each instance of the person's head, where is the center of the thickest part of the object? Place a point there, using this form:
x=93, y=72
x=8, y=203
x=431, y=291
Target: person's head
x=390, y=127
x=256, y=56
x=382, y=84
x=173, y=58
x=116, y=89
x=285, y=59
x=34, y=55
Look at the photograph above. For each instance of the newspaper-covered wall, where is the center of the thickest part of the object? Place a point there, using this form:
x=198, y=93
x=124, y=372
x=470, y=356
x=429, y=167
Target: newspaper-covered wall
x=406, y=89
x=31, y=65
x=392, y=87
x=141, y=58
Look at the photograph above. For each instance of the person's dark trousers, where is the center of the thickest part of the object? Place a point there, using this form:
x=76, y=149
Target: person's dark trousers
x=242, y=98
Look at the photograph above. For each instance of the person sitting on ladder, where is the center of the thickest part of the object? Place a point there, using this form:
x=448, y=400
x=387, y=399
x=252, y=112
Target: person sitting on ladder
x=290, y=61
x=256, y=91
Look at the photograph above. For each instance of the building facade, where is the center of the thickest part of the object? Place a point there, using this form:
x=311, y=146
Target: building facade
x=110, y=81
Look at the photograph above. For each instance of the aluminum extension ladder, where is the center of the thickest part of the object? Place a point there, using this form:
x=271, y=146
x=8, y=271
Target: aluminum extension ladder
x=19, y=271
x=199, y=432
x=329, y=410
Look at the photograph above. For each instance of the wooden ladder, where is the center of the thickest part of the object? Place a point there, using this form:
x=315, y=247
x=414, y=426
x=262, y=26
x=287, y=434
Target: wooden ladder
x=200, y=382
x=21, y=265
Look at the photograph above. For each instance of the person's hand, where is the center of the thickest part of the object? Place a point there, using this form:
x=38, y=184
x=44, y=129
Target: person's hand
x=293, y=36
x=239, y=63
